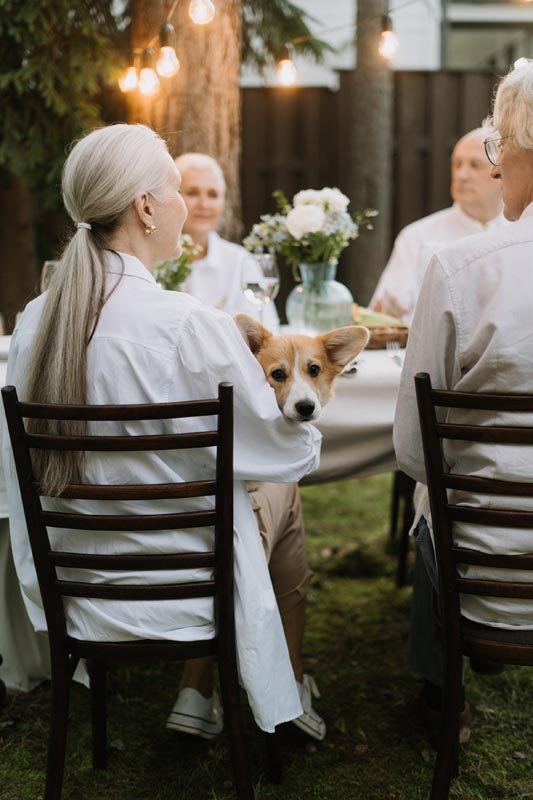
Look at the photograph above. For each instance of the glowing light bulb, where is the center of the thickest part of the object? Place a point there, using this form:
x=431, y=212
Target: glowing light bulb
x=389, y=45
x=286, y=72
x=201, y=11
x=129, y=80
x=167, y=63
x=148, y=81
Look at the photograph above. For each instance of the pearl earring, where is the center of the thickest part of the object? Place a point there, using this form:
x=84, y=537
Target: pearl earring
x=150, y=230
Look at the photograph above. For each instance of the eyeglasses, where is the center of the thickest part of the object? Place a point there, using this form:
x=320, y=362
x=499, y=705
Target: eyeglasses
x=493, y=149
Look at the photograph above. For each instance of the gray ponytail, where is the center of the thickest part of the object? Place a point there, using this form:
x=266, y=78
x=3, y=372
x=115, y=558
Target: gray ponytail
x=103, y=174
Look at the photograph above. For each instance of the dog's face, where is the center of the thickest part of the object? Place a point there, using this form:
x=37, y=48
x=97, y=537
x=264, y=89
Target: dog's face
x=301, y=369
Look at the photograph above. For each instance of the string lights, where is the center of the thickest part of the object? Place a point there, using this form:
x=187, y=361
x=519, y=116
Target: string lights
x=389, y=44
x=167, y=63
x=143, y=73
x=201, y=11
x=286, y=72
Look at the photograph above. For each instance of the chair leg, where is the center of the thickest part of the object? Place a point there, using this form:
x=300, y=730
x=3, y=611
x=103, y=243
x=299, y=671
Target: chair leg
x=57, y=741
x=98, y=674
x=406, y=489
x=447, y=761
x=274, y=757
x=233, y=723
x=395, y=506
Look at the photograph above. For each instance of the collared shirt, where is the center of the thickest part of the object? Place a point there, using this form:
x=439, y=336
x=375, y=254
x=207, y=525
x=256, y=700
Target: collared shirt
x=415, y=244
x=153, y=346
x=472, y=331
x=216, y=280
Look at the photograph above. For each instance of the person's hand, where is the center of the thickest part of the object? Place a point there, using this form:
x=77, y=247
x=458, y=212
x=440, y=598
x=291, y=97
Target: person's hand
x=389, y=304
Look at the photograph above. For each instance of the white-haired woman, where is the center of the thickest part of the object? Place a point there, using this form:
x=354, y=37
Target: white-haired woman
x=104, y=332
x=216, y=277
x=472, y=332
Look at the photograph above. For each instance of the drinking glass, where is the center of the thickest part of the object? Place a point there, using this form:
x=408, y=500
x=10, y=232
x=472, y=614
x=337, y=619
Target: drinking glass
x=260, y=280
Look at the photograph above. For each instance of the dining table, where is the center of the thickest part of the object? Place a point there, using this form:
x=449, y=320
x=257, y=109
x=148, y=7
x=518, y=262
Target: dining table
x=356, y=428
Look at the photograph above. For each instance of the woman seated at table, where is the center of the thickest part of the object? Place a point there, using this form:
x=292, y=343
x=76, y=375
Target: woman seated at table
x=216, y=276
x=105, y=333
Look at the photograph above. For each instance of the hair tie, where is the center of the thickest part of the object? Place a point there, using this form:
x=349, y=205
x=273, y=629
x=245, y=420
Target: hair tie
x=84, y=225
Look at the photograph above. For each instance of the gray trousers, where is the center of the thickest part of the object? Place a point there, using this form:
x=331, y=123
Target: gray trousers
x=425, y=637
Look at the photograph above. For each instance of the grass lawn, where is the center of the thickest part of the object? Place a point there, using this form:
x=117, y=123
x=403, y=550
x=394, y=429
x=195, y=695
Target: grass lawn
x=355, y=648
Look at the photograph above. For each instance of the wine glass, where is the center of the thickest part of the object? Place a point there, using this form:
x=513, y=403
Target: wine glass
x=260, y=280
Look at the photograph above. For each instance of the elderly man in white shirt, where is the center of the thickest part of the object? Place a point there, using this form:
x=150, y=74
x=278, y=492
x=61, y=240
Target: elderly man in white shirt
x=477, y=207
x=472, y=332
x=217, y=275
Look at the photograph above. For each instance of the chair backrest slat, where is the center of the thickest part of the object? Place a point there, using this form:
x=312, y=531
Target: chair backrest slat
x=103, y=591
x=127, y=413
x=156, y=491
x=167, y=561
x=219, y=562
x=484, y=433
x=445, y=514
x=444, y=398
x=178, y=441
x=128, y=522
x=471, y=483
x=509, y=589
x=490, y=516
x=462, y=555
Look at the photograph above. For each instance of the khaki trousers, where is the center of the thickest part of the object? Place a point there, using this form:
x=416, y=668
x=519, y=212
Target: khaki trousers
x=278, y=512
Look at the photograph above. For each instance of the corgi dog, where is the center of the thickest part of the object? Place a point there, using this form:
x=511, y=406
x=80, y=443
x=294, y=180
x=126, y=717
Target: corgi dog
x=302, y=369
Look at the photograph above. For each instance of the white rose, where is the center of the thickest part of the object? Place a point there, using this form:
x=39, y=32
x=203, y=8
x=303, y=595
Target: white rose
x=307, y=197
x=335, y=199
x=305, y=219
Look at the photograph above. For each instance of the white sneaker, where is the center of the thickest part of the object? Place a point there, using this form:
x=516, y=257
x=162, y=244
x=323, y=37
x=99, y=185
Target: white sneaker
x=197, y=715
x=310, y=722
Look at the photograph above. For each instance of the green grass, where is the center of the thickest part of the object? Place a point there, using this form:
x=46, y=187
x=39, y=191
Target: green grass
x=355, y=648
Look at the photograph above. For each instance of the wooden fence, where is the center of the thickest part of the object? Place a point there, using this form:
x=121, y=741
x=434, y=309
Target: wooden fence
x=298, y=138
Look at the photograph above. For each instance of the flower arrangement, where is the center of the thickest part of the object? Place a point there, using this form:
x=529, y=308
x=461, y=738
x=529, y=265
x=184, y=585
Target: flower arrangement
x=171, y=274
x=314, y=229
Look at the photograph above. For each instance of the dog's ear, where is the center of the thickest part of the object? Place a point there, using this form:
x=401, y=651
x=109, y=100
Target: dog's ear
x=343, y=344
x=253, y=333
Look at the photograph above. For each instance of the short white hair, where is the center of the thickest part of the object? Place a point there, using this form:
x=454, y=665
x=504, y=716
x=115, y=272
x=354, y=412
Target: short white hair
x=200, y=161
x=513, y=106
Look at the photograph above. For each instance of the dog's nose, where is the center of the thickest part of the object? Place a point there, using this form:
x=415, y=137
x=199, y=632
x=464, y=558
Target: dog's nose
x=305, y=408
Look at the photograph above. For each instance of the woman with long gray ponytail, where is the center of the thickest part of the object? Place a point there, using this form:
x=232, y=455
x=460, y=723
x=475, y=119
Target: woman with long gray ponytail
x=106, y=333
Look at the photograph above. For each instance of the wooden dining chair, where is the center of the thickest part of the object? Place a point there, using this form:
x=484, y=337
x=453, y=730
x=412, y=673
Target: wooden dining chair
x=403, y=489
x=65, y=650
x=461, y=635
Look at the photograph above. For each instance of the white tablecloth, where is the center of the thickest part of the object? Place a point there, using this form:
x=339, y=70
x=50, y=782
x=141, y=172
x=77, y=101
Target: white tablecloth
x=357, y=431
x=357, y=423
x=25, y=655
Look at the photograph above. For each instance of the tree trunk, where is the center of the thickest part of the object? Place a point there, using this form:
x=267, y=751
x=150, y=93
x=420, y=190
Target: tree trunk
x=370, y=160
x=19, y=265
x=198, y=109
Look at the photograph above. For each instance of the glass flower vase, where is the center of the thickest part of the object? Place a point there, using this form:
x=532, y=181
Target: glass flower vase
x=319, y=303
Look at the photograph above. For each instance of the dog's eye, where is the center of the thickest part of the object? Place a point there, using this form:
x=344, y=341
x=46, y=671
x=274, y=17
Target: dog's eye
x=313, y=370
x=278, y=375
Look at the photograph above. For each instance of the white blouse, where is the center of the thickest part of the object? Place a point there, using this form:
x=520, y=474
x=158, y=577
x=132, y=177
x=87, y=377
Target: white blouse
x=154, y=346
x=216, y=280
x=472, y=332
x=415, y=244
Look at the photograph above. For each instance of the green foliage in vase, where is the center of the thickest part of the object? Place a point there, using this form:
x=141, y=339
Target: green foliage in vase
x=172, y=273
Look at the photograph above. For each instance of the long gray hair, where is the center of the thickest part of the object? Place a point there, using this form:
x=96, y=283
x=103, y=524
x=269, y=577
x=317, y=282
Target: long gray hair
x=103, y=174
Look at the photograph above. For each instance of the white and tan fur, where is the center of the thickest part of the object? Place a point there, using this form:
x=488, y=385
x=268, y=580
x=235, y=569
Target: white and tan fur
x=302, y=369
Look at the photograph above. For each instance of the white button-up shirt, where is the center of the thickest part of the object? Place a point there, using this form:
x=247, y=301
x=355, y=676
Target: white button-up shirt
x=415, y=244
x=155, y=346
x=216, y=280
x=472, y=332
